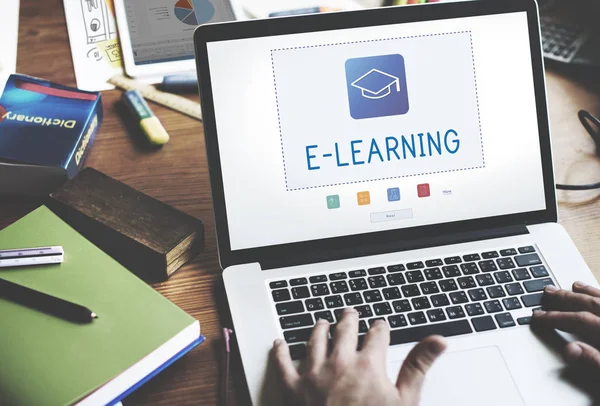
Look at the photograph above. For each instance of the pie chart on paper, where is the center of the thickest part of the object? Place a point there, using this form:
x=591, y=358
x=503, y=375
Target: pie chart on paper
x=194, y=12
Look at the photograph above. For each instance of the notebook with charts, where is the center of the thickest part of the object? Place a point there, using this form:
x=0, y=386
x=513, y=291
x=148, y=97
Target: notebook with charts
x=47, y=360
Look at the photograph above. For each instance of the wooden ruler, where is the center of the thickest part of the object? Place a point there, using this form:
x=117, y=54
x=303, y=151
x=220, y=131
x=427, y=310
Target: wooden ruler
x=172, y=101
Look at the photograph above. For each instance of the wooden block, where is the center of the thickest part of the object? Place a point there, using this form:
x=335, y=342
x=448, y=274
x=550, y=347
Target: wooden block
x=149, y=237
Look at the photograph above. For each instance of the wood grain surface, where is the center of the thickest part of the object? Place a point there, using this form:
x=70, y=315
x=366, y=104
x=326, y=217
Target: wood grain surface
x=178, y=175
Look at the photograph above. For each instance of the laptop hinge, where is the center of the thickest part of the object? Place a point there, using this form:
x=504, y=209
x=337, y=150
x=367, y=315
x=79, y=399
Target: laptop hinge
x=395, y=246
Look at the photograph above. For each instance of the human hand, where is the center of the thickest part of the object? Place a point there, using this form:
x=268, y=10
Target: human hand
x=348, y=377
x=578, y=313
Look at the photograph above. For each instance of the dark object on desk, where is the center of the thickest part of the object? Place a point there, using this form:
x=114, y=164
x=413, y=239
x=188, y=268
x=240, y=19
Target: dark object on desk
x=45, y=303
x=179, y=84
x=150, y=238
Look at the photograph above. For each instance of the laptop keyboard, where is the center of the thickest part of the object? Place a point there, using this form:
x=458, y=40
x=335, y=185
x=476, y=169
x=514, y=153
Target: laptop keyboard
x=451, y=296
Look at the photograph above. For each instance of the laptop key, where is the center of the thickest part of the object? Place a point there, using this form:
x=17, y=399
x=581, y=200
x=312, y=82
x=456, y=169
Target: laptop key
x=300, y=320
x=391, y=293
x=414, y=334
x=514, y=289
x=301, y=292
x=537, y=285
x=458, y=297
x=539, y=271
x=297, y=336
x=455, y=312
x=352, y=299
x=469, y=268
x=511, y=303
x=410, y=290
x=358, y=273
x=338, y=313
x=396, y=279
x=474, y=309
x=477, y=294
x=448, y=285
x=528, y=259
x=417, y=318
x=524, y=320
x=396, y=268
x=298, y=281
x=289, y=307
x=364, y=311
x=484, y=323
x=471, y=257
x=526, y=250
x=415, y=265
x=436, y=315
x=495, y=292
x=362, y=327
x=401, y=306
x=434, y=262
x=503, y=277
x=485, y=279
x=314, y=304
x=452, y=260
x=432, y=274
x=505, y=263
x=451, y=271
x=493, y=306
x=429, y=287
x=508, y=252
x=281, y=295
x=397, y=320
x=326, y=314
x=339, y=287
x=381, y=309
x=376, y=281
x=466, y=282
x=334, y=301
x=487, y=266
x=414, y=276
x=440, y=300
x=358, y=284
x=377, y=271
x=336, y=276
x=318, y=279
x=505, y=320
x=320, y=289
x=278, y=284
x=372, y=296
x=421, y=303
x=490, y=254
x=297, y=351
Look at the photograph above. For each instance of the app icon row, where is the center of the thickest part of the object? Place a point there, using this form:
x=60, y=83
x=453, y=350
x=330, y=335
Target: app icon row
x=364, y=198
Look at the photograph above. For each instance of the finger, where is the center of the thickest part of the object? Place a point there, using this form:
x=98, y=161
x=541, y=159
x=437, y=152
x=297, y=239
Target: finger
x=345, y=338
x=582, y=354
x=564, y=300
x=317, y=345
x=415, y=366
x=283, y=360
x=581, y=287
x=584, y=324
x=377, y=340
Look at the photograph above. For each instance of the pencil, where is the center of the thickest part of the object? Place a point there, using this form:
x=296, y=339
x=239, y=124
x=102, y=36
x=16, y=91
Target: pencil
x=45, y=303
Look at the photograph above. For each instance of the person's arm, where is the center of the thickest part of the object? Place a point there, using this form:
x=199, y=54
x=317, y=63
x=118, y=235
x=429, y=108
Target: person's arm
x=347, y=377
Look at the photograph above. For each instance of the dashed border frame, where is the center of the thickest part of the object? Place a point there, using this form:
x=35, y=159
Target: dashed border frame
x=377, y=40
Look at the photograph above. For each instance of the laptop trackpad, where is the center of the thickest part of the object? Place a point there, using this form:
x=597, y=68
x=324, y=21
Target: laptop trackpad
x=469, y=378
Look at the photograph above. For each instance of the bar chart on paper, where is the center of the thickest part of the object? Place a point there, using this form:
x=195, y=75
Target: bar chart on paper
x=194, y=12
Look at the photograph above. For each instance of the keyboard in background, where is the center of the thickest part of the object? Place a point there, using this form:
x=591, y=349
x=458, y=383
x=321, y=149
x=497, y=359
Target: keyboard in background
x=457, y=295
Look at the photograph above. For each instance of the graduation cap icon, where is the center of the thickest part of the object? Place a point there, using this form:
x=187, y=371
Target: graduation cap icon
x=376, y=84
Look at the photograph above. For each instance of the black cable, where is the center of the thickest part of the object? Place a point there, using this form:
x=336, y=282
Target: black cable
x=592, y=126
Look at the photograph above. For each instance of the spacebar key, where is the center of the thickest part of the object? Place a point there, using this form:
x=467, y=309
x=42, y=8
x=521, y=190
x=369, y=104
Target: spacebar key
x=409, y=335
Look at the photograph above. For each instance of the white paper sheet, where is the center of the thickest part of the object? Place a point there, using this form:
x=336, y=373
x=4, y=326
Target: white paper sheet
x=9, y=32
x=94, y=42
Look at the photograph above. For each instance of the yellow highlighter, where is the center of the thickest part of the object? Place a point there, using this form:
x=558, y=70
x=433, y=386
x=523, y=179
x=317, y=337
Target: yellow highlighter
x=152, y=128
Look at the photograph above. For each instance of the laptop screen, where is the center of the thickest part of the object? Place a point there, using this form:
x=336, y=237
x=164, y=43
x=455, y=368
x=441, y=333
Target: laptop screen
x=354, y=131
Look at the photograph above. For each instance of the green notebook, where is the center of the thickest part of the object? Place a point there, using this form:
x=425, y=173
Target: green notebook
x=45, y=360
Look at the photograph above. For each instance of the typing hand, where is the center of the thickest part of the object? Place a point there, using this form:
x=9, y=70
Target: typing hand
x=350, y=378
x=576, y=312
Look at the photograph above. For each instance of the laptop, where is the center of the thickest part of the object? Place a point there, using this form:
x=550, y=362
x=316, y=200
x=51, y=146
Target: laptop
x=397, y=161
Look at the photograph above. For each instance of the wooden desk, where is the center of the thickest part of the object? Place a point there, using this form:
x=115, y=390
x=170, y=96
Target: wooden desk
x=178, y=175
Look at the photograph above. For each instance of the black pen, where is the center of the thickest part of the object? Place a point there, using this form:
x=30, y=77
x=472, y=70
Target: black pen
x=45, y=303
